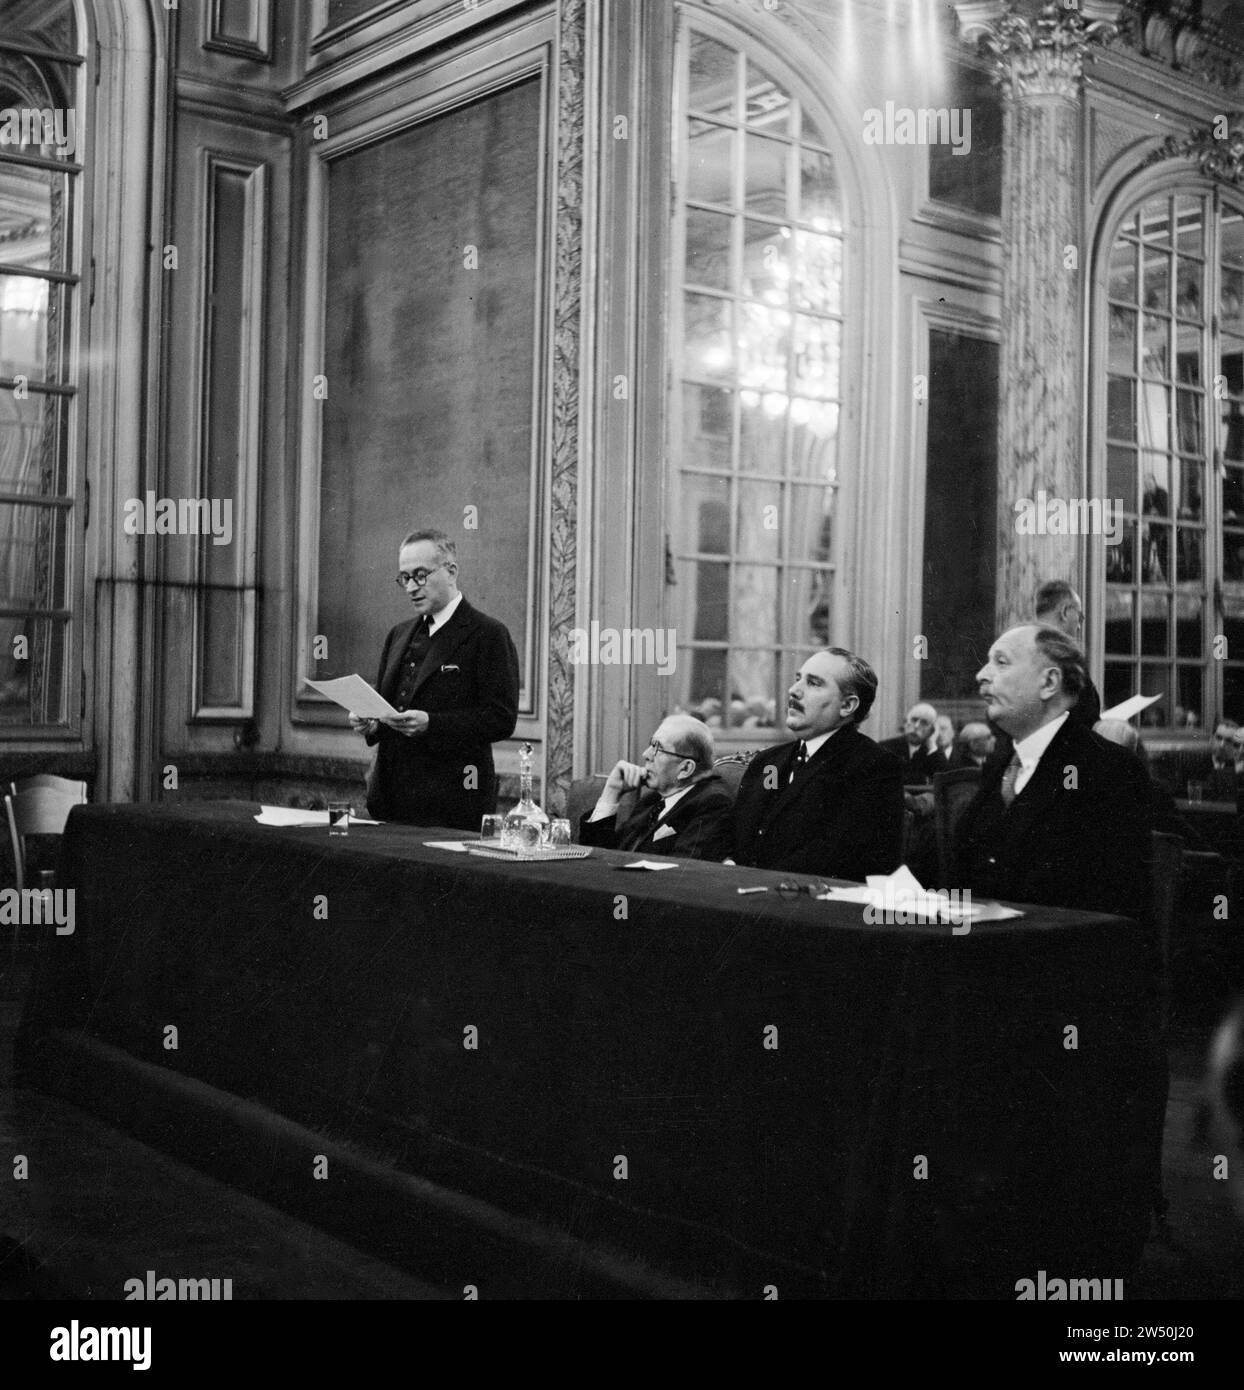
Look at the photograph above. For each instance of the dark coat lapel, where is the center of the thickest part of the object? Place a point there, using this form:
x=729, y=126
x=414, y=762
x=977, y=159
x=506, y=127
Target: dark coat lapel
x=446, y=641
x=830, y=754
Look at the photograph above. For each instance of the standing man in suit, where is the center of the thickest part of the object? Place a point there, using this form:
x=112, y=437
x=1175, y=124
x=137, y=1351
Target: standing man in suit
x=1065, y=822
x=918, y=747
x=1058, y=605
x=451, y=672
x=684, y=808
x=831, y=801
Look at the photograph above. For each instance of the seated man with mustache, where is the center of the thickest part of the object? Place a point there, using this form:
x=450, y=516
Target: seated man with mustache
x=831, y=802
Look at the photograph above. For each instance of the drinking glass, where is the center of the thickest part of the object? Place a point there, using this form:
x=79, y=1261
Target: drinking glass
x=339, y=814
x=1196, y=791
x=559, y=834
x=490, y=829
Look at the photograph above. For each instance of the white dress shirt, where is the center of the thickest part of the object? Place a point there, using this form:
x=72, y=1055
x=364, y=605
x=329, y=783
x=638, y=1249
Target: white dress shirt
x=1030, y=750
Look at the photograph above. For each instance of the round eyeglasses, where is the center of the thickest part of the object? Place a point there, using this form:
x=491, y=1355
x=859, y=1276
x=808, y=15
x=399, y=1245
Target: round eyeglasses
x=416, y=577
x=669, y=752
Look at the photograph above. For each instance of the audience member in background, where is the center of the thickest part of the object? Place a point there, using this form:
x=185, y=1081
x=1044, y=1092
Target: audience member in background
x=831, y=801
x=1219, y=776
x=917, y=746
x=975, y=746
x=684, y=808
x=944, y=731
x=1058, y=605
x=1162, y=806
x=1066, y=821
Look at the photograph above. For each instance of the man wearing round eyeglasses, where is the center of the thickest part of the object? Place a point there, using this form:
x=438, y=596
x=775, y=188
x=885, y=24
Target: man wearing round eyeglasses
x=451, y=672
x=683, y=808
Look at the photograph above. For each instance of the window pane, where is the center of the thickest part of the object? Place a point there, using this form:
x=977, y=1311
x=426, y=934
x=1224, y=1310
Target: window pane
x=753, y=675
x=1154, y=625
x=1121, y=409
x=818, y=353
x=1121, y=477
x=713, y=81
x=34, y=444
x=1122, y=285
x=1188, y=412
x=760, y=521
x=708, y=427
x=32, y=692
x=765, y=103
x=818, y=273
x=1120, y=625
x=1155, y=221
x=762, y=446
x=764, y=345
x=32, y=556
x=810, y=608
x=704, y=515
x=1156, y=555
x=814, y=440
x=1189, y=501
x=708, y=248
x=1189, y=700
x=765, y=175
x=35, y=218
x=1155, y=355
x=710, y=164
x=1189, y=622
x=820, y=202
x=709, y=345
x=1189, y=220
x=31, y=324
x=753, y=604
x=766, y=262
x=1188, y=289
x=1122, y=355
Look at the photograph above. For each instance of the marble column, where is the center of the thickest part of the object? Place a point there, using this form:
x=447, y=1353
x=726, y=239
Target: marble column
x=1039, y=52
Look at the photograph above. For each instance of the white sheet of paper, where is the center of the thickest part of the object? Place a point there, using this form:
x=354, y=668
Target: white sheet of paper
x=1129, y=708
x=294, y=815
x=354, y=694
x=650, y=864
x=457, y=846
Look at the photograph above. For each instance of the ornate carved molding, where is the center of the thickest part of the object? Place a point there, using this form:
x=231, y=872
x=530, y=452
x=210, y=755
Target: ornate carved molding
x=1175, y=35
x=567, y=332
x=1038, y=49
x=1218, y=151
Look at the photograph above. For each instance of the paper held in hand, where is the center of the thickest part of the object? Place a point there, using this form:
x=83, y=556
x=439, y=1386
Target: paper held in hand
x=1130, y=707
x=354, y=694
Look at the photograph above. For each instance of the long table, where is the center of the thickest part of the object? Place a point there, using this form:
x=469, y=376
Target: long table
x=738, y=1091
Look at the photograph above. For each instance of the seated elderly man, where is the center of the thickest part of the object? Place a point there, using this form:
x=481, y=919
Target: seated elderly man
x=1066, y=822
x=917, y=746
x=684, y=808
x=975, y=745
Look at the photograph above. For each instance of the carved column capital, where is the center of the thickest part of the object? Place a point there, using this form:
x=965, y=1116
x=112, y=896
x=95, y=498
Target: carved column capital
x=1039, y=49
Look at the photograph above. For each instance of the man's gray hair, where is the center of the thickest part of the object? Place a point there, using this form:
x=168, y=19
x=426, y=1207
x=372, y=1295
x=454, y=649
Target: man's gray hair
x=446, y=550
x=696, y=741
x=1057, y=649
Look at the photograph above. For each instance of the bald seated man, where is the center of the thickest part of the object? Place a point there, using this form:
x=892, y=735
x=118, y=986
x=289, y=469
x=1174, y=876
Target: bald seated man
x=683, y=809
x=917, y=746
x=1066, y=820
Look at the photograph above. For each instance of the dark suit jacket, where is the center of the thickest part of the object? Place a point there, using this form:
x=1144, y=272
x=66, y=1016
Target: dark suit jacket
x=919, y=768
x=842, y=816
x=1083, y=846
x=468, y=684
x=700, y=820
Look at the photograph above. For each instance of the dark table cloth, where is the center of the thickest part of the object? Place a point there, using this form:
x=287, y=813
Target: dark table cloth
x=934, y=1114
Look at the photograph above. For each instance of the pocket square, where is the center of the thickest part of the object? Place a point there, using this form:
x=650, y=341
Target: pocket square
x=663, y=832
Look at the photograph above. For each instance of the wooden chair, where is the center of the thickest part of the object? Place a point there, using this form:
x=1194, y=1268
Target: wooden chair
x=952, y=791
x=36, y=811
x=68, y=785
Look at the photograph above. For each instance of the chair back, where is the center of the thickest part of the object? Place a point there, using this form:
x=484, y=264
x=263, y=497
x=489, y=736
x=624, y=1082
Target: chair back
x=36, y=811
x=1167, y=871
x=68, y=785
x=952, y=791
x=731, y=769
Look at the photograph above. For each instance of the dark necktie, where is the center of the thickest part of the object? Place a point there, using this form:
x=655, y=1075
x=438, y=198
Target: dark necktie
x=798, y=762
x=646, y=825
x=416, y=650
x=1008, y=780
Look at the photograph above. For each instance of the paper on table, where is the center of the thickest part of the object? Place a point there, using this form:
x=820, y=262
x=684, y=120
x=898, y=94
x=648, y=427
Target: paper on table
x=649, y=864
x=294, y=815
x=1128, y=708
x=354, y=694
x=901, y=892
x=458, y=846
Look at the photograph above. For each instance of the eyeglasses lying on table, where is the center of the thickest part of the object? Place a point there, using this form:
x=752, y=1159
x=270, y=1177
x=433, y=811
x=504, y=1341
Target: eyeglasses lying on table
x=794, y=890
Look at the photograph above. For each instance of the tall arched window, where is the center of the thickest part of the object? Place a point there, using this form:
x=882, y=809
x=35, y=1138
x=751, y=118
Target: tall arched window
x=1175, y=456
x=757, y=338
x=41, y=133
